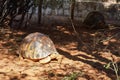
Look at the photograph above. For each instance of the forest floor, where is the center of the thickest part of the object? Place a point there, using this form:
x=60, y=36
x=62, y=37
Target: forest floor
x=87, y=54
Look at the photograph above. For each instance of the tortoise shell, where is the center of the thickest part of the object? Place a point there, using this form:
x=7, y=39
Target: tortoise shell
x=95, y=20
x=37, y=46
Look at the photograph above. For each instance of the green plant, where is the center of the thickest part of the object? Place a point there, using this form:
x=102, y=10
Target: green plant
x=72, y=76
x=114, y=67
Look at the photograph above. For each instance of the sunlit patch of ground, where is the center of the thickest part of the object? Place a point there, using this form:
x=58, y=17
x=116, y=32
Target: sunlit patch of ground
x=81, y=60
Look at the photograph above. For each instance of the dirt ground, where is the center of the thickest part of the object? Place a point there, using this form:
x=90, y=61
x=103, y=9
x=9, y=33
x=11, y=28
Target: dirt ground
x=85, y=54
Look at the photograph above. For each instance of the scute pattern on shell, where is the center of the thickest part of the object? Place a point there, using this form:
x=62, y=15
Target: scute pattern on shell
x=37, y=46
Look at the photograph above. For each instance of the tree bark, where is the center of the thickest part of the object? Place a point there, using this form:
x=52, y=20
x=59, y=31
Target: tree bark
x=40, y=11
x=72, y=9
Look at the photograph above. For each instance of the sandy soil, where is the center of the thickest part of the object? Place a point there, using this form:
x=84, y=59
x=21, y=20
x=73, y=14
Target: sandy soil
x=84, y=55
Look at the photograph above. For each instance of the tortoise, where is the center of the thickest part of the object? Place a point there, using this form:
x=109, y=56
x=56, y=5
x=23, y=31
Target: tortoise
x=39, y=47
x=95, y=20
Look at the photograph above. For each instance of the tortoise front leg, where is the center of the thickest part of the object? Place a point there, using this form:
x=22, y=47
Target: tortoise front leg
x=58, y=57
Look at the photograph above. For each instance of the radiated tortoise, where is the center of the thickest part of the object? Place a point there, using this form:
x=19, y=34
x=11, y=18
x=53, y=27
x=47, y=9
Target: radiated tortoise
x=95, y=20
x=39, y=47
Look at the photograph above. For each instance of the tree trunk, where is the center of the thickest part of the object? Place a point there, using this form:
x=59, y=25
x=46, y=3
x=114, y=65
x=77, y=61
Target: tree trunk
x=72, y=9
x=40, y=11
